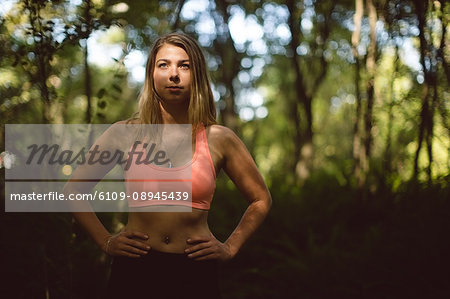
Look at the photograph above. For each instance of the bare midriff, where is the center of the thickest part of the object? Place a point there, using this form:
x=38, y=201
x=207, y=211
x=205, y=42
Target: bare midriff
x=169, y=231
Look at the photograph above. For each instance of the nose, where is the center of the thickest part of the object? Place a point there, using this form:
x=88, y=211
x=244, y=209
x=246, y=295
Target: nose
x=174, y=77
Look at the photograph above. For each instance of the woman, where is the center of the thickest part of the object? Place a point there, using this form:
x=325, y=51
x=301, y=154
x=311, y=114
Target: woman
x=173, y=254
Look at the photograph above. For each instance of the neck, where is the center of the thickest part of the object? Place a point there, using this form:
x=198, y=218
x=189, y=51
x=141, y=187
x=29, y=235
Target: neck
x=175, y=113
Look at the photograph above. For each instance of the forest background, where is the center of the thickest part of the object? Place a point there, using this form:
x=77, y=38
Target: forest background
x=343, y=105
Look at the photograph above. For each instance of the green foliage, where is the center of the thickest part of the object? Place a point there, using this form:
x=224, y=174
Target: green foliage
x=322, y=242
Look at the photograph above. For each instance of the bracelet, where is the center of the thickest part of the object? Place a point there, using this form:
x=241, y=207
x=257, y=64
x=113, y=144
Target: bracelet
x=107, y=244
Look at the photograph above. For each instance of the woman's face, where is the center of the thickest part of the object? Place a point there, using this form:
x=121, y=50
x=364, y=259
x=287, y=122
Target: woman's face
x=172, y=75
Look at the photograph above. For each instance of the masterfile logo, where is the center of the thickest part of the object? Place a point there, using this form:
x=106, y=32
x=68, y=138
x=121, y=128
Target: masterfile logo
x=60, y=168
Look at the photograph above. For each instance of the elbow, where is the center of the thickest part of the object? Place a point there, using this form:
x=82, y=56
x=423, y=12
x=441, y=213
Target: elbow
x=265, y=202
x=261, y=201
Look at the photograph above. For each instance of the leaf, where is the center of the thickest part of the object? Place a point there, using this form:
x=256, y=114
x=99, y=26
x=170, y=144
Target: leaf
x=102, y=104
x=101, y=93
x=117, y=87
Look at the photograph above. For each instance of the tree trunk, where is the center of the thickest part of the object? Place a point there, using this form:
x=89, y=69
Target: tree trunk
x=371, y=67
x=387, y=160
x=43, y=76
x=357, y=19
x=305, y=164
x=300, y=92
x=430, y=126
x=87, y=86
x=442, y=45
x=43, y=55
x=87, y=72
x=303, y=137
x=425, y=113
x=231, y=61
x=441, y=100
x=177, y=12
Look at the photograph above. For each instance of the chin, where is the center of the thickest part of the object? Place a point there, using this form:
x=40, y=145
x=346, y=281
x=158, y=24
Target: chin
x=171, y=100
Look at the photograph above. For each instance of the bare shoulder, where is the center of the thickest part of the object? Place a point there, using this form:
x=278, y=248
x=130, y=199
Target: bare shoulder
x=224, y=142
x=222, y=136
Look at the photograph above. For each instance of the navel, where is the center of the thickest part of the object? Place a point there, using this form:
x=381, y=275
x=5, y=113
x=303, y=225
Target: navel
x=166, y=240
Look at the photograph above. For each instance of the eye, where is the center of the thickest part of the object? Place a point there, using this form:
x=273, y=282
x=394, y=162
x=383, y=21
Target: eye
x=185, y=66
x=162, y=65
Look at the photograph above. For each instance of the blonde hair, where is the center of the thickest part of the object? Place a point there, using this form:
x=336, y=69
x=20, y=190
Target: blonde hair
x=201, y=106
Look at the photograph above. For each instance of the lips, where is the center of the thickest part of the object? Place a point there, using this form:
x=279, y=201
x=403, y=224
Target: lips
x=174, y=87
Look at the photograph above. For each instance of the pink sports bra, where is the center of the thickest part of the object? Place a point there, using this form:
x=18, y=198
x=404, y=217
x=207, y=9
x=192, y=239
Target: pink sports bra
x=148, y=184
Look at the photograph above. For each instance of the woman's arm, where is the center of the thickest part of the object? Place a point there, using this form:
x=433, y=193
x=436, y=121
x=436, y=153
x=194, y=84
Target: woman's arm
x=84, y=179
x=124, y=243
x=240, y=167
x=95, y=229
